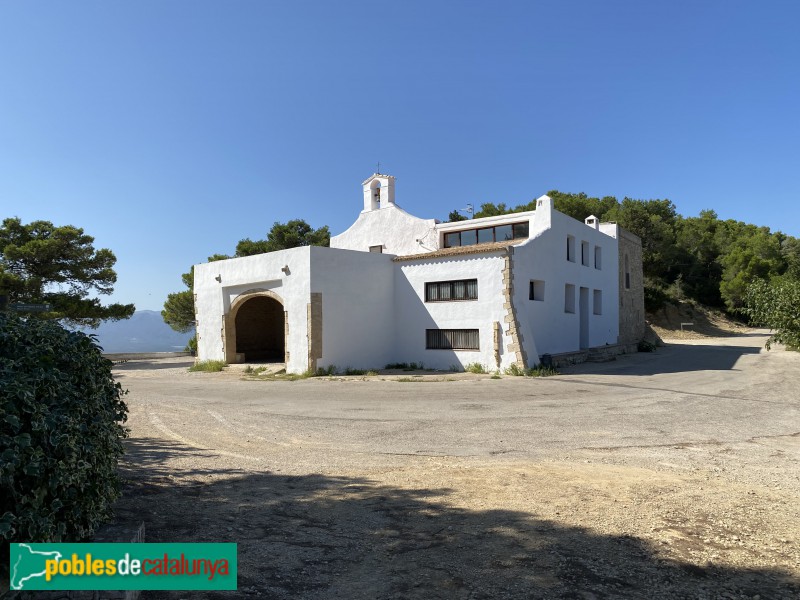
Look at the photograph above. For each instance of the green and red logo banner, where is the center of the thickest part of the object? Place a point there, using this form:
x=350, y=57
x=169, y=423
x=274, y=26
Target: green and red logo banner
x=123, y=566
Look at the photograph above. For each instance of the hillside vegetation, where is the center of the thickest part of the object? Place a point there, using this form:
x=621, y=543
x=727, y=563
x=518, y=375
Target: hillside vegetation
x=704, y=258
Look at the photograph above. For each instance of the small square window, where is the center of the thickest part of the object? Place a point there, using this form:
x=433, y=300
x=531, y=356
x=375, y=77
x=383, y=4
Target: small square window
x=378, y=248
x=537, y=290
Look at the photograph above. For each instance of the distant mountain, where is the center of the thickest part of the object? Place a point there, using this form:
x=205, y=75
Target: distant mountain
x=145, y=331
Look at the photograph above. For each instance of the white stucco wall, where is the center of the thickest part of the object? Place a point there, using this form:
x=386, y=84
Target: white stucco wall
x=393, y=228
x=259, y=272
x=357, y=307
x=374, y=310
x=414, y=315
x=544, y=258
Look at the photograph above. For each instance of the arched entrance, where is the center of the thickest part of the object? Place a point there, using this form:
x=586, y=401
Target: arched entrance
x=255, y=329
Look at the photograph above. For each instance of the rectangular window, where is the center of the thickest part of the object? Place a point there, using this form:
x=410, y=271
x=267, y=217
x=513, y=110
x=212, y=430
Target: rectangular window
x=570, y=248
x=452, y=339
x=451, y=240
x=503, y=233
x=520, y=230
x=446, y=291
x=597, y=302
x=469, y=237
x=598, y=257
x=486, y=235
x=378, y=249
x=585, y=254
x=569, y=298
x=627, y=273
x=537, y=290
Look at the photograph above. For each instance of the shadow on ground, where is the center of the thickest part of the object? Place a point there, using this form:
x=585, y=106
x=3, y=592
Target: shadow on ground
x=672, y=358
x=322, y=537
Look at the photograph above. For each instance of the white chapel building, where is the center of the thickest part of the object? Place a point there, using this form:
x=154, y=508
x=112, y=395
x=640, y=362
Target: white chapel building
x=396, y=288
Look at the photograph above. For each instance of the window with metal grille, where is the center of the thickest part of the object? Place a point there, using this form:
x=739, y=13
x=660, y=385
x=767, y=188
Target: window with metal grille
x=447, y=291
x=452, y=339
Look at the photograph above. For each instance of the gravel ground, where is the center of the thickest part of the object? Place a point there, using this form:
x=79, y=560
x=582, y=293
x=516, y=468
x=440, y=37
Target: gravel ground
x=665, y=475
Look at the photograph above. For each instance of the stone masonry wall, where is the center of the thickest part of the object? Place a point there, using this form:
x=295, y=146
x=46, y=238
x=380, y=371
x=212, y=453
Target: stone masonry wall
x=631, y=299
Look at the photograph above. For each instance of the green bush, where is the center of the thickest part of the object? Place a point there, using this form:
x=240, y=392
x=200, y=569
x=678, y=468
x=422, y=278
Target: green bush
x=476, y=368
x=324, y=371
x=541, y=371
x=208, y=366
x=538, y=371
x=61, y=416
x=514, y=370
x=655, y=294
x=776, y=305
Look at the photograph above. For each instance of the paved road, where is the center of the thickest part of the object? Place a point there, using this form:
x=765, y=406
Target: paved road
x=667, y=475
x=710, y=394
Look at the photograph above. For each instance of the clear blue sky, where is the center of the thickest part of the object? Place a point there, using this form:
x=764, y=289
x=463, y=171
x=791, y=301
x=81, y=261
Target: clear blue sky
x=170, y=130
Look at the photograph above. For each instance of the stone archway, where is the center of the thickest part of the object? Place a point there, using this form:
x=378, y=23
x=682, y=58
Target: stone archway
x=256, y=328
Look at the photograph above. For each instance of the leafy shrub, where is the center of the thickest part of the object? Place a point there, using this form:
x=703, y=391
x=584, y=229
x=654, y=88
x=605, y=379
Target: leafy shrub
x=406, y=366
x=476, y=368
x=541, y=371
x=776, y=305
x=655, y=294
x=396, y=366
x=515, y=370
x=645, y=346
x=208, y=366
x=61, y=416
x=537, y=371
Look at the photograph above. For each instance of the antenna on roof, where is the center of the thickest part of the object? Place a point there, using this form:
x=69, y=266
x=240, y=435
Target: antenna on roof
x=469, y=210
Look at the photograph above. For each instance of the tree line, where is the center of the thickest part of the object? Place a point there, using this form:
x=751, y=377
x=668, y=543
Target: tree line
x=709, y=260
x=703, y=258
x=739, y=267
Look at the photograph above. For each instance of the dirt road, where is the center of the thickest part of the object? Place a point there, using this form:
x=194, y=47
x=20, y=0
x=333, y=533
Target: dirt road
x=666, y=475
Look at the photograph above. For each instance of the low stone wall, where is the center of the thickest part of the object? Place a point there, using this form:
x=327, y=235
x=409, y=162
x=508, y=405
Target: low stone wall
x=598, y=354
